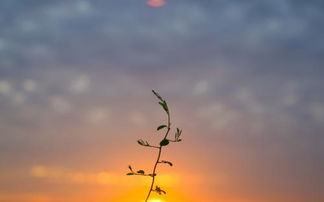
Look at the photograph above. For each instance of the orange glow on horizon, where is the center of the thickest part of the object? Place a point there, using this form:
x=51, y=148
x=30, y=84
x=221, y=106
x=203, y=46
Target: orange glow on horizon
x=138, y=194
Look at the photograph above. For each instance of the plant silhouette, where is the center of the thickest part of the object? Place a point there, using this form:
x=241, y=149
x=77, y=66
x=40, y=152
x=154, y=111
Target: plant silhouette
x=163, y=143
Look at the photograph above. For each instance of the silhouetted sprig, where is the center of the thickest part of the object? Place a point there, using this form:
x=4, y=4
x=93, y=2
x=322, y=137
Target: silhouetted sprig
x=164, y=142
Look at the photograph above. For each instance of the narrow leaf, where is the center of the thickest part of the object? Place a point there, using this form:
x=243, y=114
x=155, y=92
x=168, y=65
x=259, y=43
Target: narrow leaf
x=157, y=95
x=177, y=135
x=161, y=127
x=164, y=106
x=141, y=172
x=142, y=142
x=167, y=162
x=159, y=190
x=139, y=142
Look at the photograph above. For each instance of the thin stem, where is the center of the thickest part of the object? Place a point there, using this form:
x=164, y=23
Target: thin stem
x=158, y=159
x=153, y=178
x=148, y=175
x=156, y=147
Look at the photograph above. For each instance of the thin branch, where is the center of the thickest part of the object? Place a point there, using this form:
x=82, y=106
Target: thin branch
x=145, y=175
x=158, y=158
x=156, y=147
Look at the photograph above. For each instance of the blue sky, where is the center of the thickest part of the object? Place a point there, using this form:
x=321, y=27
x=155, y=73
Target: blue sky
x=245, y=79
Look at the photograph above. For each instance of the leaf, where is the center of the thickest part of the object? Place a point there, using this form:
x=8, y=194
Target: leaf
x=141, y=172
x=130, y=174
x=167, y=162
x=140, y=142
x=161, y=127
x=143, y=143
x=159, y=190
x=164, y=142
x=157, y=95
x=164, y=106
x=177, y=135
x=130, y=168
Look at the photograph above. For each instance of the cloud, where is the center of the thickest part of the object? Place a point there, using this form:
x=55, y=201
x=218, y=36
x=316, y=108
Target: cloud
x=235, y=65
x=79, y=84
x=62, y=175
x=200, y=87
x=137, y=118
x=18, y=98
x=97, y=115
x=219, y=115
x=60, y=104
x=5, y=87
x=30, y=197
x=317, y=112
x=30, y=85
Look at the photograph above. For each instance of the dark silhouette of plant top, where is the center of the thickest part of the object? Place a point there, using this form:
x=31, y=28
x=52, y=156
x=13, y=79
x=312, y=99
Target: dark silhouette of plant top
x=164, y=142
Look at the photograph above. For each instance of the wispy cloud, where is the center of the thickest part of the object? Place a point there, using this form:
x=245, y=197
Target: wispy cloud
x=245, y=79
x=64, y=175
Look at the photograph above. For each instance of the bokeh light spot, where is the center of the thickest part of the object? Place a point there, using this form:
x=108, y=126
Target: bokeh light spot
x=29, y=85
x=60, y=104
x=80, y=84
x=5, y=87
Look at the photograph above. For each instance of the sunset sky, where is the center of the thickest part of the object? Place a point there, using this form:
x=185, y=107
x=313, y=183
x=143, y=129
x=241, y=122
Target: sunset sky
x=243, y=79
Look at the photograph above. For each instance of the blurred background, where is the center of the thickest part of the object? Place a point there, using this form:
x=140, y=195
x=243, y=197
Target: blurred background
x=243, y=79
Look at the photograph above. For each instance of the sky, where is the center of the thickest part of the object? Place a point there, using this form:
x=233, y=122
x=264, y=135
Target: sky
x=243, y=80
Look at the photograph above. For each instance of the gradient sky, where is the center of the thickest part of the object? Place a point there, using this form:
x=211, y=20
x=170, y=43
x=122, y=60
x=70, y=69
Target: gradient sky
x=244, y=80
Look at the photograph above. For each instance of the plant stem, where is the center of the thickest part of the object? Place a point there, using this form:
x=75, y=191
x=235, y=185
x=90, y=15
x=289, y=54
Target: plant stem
x=158, y=160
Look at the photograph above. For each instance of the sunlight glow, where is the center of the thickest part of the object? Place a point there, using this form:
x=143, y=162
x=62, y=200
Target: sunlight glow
x=155, y=200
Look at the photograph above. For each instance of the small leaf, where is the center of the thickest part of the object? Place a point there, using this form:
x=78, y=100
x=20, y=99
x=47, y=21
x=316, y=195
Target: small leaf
x=140, y=142
x=164, y=142
x=157, y=95
x=130, y=174
x=177, y=135
x=159, y=190
x=164, y=106
x=167, y=162
x=160, y=127
x=141, y=172
x=130, y=168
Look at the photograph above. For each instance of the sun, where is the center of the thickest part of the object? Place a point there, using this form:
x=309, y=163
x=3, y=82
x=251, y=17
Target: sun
x=155, y=200
x=156, y=3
